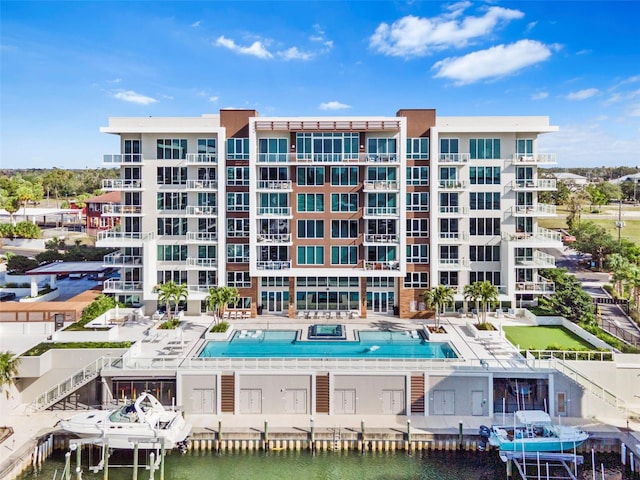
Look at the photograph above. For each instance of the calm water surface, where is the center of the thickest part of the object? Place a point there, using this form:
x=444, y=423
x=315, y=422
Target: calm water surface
x=323, y=466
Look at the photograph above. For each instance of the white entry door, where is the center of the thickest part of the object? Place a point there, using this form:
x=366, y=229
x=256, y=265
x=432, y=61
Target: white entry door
x=250, y=400
x=444, y=402
x=204, y=400
x=295, y=401
x=344, y=402
x=477, y=403
x=393, y=402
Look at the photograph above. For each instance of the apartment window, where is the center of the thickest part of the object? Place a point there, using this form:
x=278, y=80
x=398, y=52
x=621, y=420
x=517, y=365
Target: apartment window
x=449, y=228
x=344, y=255
x=418, y=253
x=385, y=202
x=484, y=200
x=208, y=225
x=418, y=148
x=449, y=202
x=344, y=176
x=172, y=253
x=493, y=277
x=272, y=149
x=524, y=174
x=310, y=229
x=208, y=199
x=417, y=175
x=380, y=254
x=310, y=176
x=237, y=202
x=381, y=282
x=418, y=202
x=207, y=251
x=524, y=199
x=449, y=252
x=208, y=278
x=171, y=149
x=450, y=279
x=172, y=226
x=171, y=200
x=310, y=255
x=272, y=174
x=524, y=146
x=449, y=148
x=238, y=279
x=344, y=202
x=327, y=282
x=274, y=254
x=524, y=224
x=237, y=227
x=274, y=281
x=237, y=253
x=484, y=226
x=484, y=175
x=416, y=280
x=484, y=253
x=132, y=151
x=207, y=145
x=238, y=148
x=327, y=146
x=243, y=303
x=207, y=173
x=171, y=175
x=484, y=148
x=378, y=174
x=237, y=176
x=344, y=229
x=310, y=202
x=177, y=276
x=381, y=227
x=417, y=227
x=273, y=226
x=381, y=145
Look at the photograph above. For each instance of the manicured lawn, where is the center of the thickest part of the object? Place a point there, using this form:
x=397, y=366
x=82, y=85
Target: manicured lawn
x=539, y=338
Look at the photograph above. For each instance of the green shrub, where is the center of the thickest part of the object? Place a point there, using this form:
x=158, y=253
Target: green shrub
x=220, y=327
x=541, y=312
x=101, y=304
x=46, y=346
x=7, y=230
x=169, y=324
x=485, y=326
x=27, y=230
x=20, y=264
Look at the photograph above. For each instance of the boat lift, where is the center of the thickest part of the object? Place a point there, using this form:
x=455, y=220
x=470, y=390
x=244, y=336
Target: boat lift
x=542, y=465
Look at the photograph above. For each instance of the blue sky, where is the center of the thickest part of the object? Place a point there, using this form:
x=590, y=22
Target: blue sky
x=67, y=66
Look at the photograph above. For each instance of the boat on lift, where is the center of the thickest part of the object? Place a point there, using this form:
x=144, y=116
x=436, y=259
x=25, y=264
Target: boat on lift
x=145, y=422
x=533, y=431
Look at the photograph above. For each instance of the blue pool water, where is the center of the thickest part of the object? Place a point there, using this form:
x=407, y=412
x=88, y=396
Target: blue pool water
x=284, y=343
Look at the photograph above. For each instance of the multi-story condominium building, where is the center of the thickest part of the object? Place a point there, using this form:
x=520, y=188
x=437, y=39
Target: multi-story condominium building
x=349, y=214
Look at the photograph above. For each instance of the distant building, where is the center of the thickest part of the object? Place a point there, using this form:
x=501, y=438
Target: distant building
x=96, y=221
x=572, y=179
x=627, y=178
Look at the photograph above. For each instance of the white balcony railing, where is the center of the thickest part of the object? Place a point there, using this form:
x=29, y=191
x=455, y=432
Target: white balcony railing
x=274, y=238
x=274, y=185
x=273, y=264
x=539, y=235
x=275, y=211
x=540, y=286
x=328, y=158
x=380, y=185
x=454, y=157
x=534, y=185
x=454, y=210
x=537, y=260
x=206, y=263
x=534, y=159
x=453, y=184
x=117, y=184
x=454, y=236
x=454, y=263
x=201, y=158
x=123, y=158
x=202, y=237
x=381, y=238
x=118, y=236
x=390, y=265
x=113, y=285
x=118, y=258
x=202, y=185
x=117, y=210
x=200, y=211
x=381, y=211
x=539, y=209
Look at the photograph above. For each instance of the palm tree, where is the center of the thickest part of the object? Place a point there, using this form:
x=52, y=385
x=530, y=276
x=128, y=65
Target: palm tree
x=620, y=267
x=219, y=298
x=437, y=298
x=8, y=370
x=170, y=292
x=473, y=292
x=488, y=297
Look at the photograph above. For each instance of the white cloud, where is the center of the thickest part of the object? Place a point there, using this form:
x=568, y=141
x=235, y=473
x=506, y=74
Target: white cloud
x=583, y=52
x=582, y=94
x=539, y=95
x=196, y=24
x=413, y=36
x=634, y=110
x=492, y=63
x=321, y=37
x=134, y=97
x=256, y=49
x=214, y=99
x=333, y=105
x=294, y=54
x=530, y=26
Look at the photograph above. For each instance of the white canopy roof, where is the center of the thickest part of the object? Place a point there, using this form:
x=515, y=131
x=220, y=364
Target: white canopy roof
x=532, y=416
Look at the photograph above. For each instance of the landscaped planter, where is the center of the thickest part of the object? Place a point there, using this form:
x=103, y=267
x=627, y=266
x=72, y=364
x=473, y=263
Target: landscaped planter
x=35, y=367
x=108, y=334
x=483, y=333
x=42, y=298
x=437, y=337
x=218, y=336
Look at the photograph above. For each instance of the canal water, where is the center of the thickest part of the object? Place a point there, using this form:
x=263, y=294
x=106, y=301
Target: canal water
x=430, y=465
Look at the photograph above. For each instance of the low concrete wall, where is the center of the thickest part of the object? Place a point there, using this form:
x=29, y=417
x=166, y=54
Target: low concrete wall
x=42, y=298
x=31, y=243
x=30, y=367
x=26, y=328
x=20, y=292
x=98, y=335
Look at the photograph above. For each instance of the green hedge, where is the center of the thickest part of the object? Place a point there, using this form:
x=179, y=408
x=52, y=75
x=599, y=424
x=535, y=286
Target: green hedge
x=220, y=327
x=46, y=346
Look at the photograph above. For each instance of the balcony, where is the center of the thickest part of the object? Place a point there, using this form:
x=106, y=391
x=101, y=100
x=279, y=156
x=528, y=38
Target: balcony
x=537, y=159
x=113, y=210
x=391, y=265
x=454, y=264
x=329, y=158
x=274, y=212
x=275, y=185
x=202, y=263
x=202, y=237
x=201, y=211
x=116, y=238
x=284, y=238
x=273, y=265
x=199, y=292
x=118, y=159
x=370, y=185
x=118, y=184
x=380, y=238
x=453, y=184
x=202, y=158
x=113, y=285
x=202, y=185
x=540, y=237
x=453, y=158
x=540, y=287
x=453, y=237
x=537, y=260
x=380, y=212
x=537, y=210
x=118, y=259
x=454, y=211
x=539, y=185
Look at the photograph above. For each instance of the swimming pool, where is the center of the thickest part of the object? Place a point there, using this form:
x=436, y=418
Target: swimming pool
x=284, y=343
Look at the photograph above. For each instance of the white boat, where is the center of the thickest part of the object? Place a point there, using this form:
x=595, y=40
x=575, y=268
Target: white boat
x=533, y=431
x=144, y=421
